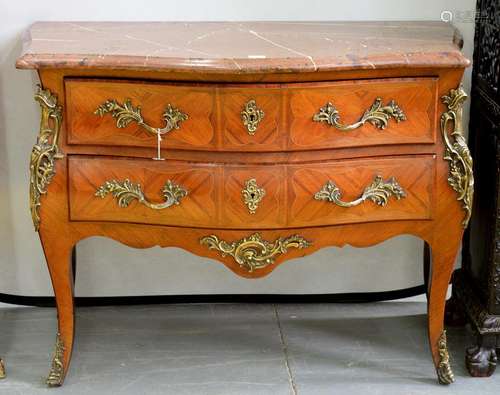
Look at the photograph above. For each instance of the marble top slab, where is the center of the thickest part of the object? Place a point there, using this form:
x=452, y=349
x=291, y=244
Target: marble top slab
x=241, y=47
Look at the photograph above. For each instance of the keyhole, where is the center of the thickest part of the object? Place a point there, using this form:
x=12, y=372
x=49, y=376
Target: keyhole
x=252, y=195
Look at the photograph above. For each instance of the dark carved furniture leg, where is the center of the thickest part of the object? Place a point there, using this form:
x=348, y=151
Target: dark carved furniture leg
x=481, y=359
x=454, y=313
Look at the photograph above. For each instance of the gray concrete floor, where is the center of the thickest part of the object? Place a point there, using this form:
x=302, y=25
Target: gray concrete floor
x=378, y=348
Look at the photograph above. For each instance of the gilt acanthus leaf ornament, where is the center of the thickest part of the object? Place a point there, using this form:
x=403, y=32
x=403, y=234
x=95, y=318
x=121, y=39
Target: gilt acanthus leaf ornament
x=444, y=372
x=126, y=113
x=460, y=178
x=378, y=115
x=253, y=252
x=56, y=374
x=126, y=191
x=378, y=192
x=45, y=151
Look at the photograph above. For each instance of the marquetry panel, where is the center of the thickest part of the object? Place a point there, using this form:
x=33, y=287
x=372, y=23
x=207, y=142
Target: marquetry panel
x=271, y=210
x=198, y=208
x=235, y=135
x=414, y=175
x=415, y=97
x=215, y=192
x=83, y=97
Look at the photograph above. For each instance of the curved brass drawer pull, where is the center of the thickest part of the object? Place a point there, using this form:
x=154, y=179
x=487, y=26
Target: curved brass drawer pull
x=126, y=191
x=378, y=192
x=251, y=115
x=377, y=115
x=127, y=113
x=253, y=252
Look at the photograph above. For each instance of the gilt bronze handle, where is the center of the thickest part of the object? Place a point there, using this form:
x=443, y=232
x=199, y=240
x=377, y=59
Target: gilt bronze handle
x=253, y=252
x=126, y=191
x=378, y=192
x=377, y=115
x=126, y=113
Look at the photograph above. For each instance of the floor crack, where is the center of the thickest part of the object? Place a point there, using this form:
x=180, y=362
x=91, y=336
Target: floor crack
x=291, y=379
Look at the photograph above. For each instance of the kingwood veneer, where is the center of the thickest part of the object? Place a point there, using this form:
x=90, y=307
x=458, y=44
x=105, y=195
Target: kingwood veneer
x=278, y=139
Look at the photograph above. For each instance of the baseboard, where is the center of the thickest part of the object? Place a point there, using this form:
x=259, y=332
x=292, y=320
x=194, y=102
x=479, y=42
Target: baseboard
x=364, y=297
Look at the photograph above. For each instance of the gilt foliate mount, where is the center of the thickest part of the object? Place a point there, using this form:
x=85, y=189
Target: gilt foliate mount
x=444, y=371
x=379, y=192
x=45, y=151
x=127, y=191
x=457, y=153
x=378, y=115
x=56, y=374
x=253, y=252
x=126, y=113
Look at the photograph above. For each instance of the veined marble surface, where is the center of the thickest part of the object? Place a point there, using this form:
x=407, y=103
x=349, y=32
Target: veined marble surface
x=241, y=47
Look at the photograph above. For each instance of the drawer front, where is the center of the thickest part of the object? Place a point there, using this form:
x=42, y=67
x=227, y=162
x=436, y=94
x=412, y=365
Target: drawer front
x=125, y=190
x=353, y=191
x=251, y=197
x=264, y=132
x=361, y=119
x=120, y=201
x=266, y=117
x=254, y=196
x=85, y=97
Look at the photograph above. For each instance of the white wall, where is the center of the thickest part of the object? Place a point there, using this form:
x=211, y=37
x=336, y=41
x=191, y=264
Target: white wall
x=106, y=268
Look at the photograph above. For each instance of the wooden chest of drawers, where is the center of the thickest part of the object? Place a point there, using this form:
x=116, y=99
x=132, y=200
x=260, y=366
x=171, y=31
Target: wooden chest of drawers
x=268, y=142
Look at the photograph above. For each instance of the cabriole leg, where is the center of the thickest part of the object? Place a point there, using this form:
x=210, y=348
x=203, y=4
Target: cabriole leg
x=443, y=259
x=58, y=256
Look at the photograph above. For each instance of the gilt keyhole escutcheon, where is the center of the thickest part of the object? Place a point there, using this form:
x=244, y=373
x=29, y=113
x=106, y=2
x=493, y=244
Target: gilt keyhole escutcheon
x=252, y=195
x=251, y=115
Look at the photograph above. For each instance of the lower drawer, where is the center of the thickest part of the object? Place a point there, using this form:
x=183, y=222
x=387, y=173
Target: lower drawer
x=250, y=196
x=361, y=190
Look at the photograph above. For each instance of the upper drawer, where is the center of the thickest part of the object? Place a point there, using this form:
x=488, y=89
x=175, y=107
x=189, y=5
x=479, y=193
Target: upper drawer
x=363, y=113
x=276, y=117
x=136, y=101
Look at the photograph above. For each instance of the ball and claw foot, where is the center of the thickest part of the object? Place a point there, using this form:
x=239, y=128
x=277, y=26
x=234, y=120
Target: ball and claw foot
x=481, y=361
